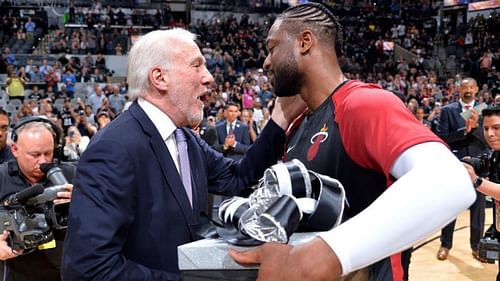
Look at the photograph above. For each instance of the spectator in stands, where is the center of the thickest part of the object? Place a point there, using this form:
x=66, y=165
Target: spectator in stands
x=46, y=110
x=75, y=144
x=88, y=61
x=24, y=110
x=35, y=74
x=36, y=94
x=45, y=68
x=95, y=99
x=29, y=65
x=52, y=78
x=247, y=119
x=100, y=62
x=97, y=76
x=30, y=27
x=103, y=118
x=89, y=115
x=21, y=73
x=10, y=57
x=68, y=115
x=116, y=101
x=118, y=49
x=50, y=94
x=63, y=59
x=107, y=108
x=63, y=92
x=248, y=96
x=420, y=115
x=69, y=81
x=5, y=153
x=123, y=87
x=3, y=64
x=265, y=118
x=266, y=94
x=84, y=75
x=86, y=124
x=15, y=86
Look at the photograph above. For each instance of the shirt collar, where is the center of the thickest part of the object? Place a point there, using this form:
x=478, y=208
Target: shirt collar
x=162, y=121
x=14, y=171
x=463, y=104
x=233, y=123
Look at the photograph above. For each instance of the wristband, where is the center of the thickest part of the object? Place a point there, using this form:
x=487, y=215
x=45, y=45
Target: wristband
x=478, y=182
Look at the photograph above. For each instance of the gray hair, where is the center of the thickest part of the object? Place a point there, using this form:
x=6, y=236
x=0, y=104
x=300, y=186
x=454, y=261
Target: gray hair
x=152, y=49
x=36, y=126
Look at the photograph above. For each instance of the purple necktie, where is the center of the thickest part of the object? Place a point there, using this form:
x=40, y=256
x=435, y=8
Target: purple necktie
x=184, y=168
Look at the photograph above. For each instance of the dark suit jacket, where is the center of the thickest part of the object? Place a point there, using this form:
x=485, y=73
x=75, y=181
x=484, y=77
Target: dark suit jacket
x=209, y=134
x=452, y=128
x=241, y=135
x=129, y=210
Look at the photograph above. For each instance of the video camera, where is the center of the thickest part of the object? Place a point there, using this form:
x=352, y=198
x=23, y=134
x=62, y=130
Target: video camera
x=481, y=164
x=30, y=215
x=489, y=249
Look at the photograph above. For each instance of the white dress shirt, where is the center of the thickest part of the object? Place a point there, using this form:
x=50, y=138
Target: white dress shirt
x=164, y=125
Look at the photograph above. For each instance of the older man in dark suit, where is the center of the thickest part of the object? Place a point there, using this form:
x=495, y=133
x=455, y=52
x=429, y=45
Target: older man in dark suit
x=143, y=182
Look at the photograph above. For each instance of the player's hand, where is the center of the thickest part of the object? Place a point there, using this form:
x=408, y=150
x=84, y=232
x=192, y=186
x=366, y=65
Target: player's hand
x=286, y=109
x=311, y=261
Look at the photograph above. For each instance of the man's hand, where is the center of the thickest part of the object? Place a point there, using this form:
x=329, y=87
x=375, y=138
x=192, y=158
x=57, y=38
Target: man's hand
x=229, y=141
x=286, y=109
x=313, y=261
x=470, y=170
x=7, y=252
x=472, y=122
x=64, y=196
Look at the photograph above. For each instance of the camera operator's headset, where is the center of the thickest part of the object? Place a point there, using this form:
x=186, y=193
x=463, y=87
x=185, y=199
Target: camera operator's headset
x=57, y=133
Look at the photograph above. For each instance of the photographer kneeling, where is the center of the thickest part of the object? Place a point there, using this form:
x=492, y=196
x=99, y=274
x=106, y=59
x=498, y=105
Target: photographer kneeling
x=491, y=185
x=32, y=244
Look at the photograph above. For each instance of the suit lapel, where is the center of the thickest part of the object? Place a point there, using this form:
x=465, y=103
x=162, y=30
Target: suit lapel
x=165, y=161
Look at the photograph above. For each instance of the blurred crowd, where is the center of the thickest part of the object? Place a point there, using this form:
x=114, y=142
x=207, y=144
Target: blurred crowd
x=76, y=92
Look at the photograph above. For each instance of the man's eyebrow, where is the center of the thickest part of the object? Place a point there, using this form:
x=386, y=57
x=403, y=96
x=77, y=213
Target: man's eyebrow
x=269, y=41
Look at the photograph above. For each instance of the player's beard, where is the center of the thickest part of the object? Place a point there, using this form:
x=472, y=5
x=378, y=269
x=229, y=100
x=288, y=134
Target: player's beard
x=287, y=78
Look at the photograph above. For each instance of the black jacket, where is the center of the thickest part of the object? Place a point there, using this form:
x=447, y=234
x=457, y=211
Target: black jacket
x=39, y=265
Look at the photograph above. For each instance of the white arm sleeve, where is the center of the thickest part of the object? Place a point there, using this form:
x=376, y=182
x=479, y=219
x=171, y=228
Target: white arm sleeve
x=431, y=189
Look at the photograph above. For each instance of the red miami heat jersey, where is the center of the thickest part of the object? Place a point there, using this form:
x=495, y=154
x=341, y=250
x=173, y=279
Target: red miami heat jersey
x=355, y=136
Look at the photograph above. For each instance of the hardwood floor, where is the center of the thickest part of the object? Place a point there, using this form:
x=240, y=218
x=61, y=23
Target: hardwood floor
x=460, y=265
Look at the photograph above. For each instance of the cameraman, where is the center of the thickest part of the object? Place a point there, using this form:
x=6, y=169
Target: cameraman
x=33, y=145
x=490, y=186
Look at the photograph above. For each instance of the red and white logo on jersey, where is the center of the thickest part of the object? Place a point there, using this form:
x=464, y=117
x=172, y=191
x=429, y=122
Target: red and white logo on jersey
x=316, y=140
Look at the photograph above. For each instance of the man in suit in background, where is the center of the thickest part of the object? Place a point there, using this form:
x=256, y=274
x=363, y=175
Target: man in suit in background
x=207, y=131
x=138, y=192
x=5, y=153
x=234, y=138
x=465, y=138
